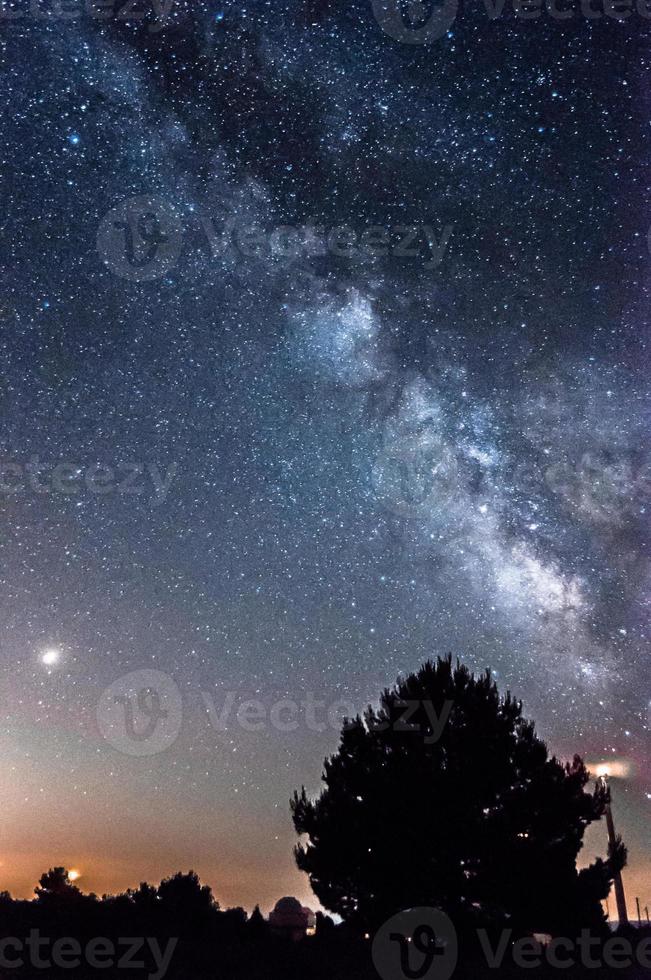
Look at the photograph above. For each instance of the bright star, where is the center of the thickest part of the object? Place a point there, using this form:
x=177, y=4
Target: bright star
x=50, y=657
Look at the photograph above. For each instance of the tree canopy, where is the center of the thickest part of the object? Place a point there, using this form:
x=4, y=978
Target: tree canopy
x=445, y=796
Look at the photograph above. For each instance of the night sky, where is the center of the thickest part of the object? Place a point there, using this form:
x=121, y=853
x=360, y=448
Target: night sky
x=333, y=451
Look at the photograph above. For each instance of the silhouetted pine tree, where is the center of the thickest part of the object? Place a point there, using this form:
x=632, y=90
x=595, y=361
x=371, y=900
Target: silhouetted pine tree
x=480, y=821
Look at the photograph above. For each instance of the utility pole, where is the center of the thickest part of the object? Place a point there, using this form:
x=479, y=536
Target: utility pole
x=646, y=912
x=620, y=898
x=639, y=914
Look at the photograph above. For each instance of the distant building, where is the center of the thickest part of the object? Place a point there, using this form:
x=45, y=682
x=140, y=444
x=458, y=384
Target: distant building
x=291, y=920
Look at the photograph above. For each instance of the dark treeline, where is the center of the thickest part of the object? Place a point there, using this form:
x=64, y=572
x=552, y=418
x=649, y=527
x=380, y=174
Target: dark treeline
x=178, y=930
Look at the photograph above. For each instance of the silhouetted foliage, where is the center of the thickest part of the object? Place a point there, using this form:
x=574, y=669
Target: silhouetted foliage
x=144, y=898
x=56, y=884
x=256, y=925
x=471, y=816
x=183, y=893
x=219, y=945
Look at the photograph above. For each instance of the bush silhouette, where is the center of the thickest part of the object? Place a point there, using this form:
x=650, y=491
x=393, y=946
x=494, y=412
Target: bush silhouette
x=55, y=885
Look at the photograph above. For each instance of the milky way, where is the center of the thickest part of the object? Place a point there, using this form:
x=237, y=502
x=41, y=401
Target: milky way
x=323, y=352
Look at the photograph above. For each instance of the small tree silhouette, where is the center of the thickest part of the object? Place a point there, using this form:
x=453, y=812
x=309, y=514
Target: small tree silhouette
x=144, y=898
x=475, y=818
x=56, y=884
x=186, y=903
x=256, y=925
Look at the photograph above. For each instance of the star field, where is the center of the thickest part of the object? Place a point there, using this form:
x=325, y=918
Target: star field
x=378, y=391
